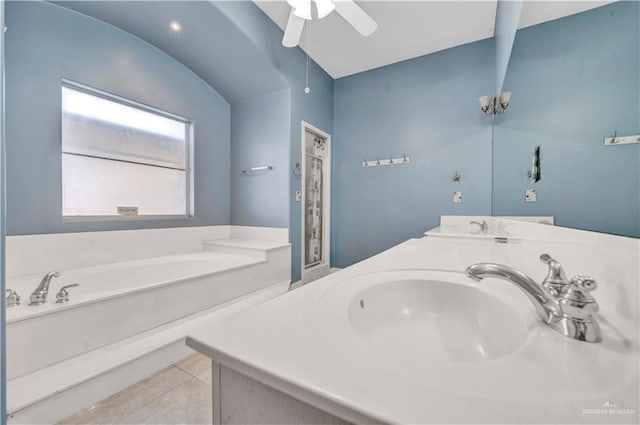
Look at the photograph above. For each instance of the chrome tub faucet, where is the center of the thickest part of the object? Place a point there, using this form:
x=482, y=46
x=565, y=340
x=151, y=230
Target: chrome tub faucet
x=39, y=296
x=564, y=305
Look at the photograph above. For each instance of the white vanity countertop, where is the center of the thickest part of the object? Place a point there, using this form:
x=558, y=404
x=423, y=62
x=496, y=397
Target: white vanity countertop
x=291, y=344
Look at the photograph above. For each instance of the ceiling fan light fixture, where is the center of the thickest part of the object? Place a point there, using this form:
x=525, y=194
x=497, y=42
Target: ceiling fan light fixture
x=301, y=12
x=324, y=7
x=295, y=3
x=302, y=9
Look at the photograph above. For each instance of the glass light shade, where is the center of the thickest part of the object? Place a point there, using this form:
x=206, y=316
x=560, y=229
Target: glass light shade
x=324, y=7
x=505, y=98
x=303, y=9
x=485, y=101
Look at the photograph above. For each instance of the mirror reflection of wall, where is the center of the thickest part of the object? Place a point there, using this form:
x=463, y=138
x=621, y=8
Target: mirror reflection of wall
x=535, y=174
x=575, y=82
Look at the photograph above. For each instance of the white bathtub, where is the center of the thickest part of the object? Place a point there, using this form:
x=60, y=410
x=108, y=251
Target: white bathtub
x=118, y=300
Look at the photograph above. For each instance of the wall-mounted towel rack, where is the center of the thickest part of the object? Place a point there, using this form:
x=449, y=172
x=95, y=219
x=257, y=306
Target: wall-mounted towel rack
x=264, y=169
x=404, y=159
x=621, y=140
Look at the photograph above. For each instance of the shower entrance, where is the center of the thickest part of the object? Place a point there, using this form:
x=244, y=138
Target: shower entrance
x=316, y=199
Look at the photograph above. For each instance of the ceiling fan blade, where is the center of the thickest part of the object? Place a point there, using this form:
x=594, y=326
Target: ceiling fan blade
x=293, y=31
x=357, y=17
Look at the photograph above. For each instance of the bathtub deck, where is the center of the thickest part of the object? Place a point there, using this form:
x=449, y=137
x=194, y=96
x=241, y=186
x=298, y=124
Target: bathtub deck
x=211, y=264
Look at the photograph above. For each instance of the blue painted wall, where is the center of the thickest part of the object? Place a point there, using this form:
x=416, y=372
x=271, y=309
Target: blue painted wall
x=427, y=108
x=575, y=81
x=45, y=43
x=315, y=108
x=260, y=136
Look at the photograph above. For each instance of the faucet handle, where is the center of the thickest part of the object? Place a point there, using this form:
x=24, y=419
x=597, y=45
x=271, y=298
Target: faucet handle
x=12, y=299
x=63, y=295
x=577, y=298
x=556, y=279
x=586, y=283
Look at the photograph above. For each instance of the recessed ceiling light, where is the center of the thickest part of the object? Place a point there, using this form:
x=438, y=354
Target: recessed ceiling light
x=175, y=26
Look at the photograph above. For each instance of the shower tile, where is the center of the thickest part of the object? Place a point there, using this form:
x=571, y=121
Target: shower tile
x=195, y=365
x=190, y=403
x=130, y=400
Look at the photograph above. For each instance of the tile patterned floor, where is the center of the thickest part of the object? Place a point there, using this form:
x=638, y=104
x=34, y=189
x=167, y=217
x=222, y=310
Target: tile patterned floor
x=180, y=394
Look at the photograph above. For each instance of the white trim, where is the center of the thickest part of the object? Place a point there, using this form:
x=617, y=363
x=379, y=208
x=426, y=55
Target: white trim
x=322, y=268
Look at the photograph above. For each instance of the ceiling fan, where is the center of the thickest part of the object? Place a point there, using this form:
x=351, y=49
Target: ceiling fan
x=301, y=12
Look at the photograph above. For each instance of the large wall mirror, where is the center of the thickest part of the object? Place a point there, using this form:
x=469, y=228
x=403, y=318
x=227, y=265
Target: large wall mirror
x=575, y=82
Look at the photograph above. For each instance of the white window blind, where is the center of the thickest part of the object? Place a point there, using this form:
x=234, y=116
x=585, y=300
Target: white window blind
x=122, y=158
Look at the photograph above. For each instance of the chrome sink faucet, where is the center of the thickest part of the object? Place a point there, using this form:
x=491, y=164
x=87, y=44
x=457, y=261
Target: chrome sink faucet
x=39, y=296
x=484, y=227
x=564, y=305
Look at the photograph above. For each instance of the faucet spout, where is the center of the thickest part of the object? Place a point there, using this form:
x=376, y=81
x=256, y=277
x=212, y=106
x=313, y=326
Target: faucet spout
x=545, y=304
x=39, y=296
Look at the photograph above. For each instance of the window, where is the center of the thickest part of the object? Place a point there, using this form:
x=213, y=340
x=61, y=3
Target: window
x=122, y=158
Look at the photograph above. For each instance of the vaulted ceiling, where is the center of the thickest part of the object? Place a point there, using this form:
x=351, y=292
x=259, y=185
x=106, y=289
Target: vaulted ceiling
x=238, y=66
x=408, y=29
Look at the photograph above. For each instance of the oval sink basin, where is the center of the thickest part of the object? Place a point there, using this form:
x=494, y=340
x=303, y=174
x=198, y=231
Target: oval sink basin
x=477, y=339
x=430, y=317
x=436, y=320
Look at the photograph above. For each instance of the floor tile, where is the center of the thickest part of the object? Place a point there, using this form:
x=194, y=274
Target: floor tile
x=205, y=377
x=128, y=401
x=195, y=365
x=190, y=403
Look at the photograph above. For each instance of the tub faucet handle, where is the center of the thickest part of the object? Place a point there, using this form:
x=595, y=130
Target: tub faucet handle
x=12, y=299
x=63, y=295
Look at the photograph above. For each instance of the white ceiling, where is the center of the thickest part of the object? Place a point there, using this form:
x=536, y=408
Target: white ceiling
x=408, y=29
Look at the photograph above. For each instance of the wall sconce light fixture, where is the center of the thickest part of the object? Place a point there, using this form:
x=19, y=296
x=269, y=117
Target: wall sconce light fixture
x=493, y=105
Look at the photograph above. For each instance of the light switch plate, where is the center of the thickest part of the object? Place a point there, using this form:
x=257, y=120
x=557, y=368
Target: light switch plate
x=530, y=195
x=457, y=197
x=298, y=196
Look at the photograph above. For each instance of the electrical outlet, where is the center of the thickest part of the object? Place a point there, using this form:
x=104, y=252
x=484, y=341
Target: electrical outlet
x=457, y=197
x=298, y=196
x=530, y=195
